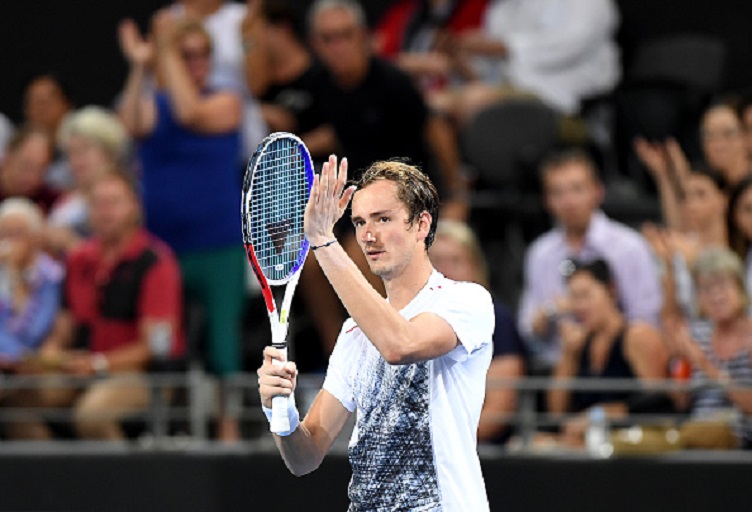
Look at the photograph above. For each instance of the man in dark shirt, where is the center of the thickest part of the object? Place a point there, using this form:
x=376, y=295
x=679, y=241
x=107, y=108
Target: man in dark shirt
x=376, y=111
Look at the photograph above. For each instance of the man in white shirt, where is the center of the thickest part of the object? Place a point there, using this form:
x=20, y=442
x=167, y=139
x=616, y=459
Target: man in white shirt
x=559, y=51
x=413, y=366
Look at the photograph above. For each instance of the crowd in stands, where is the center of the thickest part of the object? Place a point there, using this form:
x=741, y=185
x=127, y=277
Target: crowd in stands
x=113, y=217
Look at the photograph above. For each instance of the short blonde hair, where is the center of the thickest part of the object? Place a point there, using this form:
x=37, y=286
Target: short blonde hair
x=99, y=125
x=22, y=207
x=462, y=234
x=720, y=261
x=191, y=26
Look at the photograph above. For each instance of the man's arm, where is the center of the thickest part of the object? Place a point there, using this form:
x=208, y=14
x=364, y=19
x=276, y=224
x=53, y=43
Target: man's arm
x=305, y=448
x=399, y=341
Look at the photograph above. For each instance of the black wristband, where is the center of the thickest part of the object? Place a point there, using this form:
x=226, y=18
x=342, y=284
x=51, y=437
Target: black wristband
x=315, y=247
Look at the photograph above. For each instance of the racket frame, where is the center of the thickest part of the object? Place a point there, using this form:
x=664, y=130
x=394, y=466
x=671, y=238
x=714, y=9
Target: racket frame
x=279, y=323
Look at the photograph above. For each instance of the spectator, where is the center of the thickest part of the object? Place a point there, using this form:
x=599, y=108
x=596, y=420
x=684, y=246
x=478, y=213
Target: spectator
x=456, y=253
x=417, y=35
x=122, y=292
x=189, y=142
x=724, y=149
x=560, y=51
x=723, y=142
x=573, y=194
x=94, y=141
x=739, y=222
x=29, y=155
x=30, y=281
x=47, y=100
x=373, y=107
x=289, y=96
x=719, y=351
x=598, y=341
x=233, y=28
x=704, y=225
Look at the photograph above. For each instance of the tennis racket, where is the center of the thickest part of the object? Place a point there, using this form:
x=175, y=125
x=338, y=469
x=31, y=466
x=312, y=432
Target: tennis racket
x=276, y=187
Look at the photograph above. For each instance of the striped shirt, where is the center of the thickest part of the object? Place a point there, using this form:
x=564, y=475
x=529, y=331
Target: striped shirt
x=711, y=401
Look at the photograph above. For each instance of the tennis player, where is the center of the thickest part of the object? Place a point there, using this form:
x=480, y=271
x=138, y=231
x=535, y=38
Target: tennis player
x=413, y=366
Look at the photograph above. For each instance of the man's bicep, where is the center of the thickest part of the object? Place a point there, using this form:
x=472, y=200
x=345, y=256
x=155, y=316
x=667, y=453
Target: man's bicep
x=433, y=336
x=325, y=420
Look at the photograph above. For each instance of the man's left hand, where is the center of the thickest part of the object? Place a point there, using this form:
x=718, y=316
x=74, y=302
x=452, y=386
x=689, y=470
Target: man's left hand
x=328, y=201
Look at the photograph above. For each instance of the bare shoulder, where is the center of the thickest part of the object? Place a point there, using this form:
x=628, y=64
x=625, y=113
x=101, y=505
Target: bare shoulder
x=641, y=337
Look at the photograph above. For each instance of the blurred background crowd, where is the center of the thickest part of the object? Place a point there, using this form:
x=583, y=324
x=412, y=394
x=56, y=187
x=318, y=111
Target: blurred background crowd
x=596, y=176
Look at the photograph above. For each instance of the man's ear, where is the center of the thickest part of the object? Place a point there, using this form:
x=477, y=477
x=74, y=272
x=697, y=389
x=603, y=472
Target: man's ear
x=424, y=224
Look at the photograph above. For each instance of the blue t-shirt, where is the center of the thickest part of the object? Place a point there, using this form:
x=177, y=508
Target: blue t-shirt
x=506, y=338
x=192, y=184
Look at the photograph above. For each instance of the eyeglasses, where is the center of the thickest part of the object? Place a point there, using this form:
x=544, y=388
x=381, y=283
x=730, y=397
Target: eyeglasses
x=717, y=284
x=189, y=55
x=332, y=36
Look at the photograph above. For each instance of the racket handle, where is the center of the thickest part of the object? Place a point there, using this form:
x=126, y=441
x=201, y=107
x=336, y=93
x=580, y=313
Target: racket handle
x=280, y=419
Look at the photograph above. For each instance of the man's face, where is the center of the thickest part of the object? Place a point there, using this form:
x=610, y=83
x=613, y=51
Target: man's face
x=572, y=195
x=387, y=239
x=113, y=209
x=339, y=41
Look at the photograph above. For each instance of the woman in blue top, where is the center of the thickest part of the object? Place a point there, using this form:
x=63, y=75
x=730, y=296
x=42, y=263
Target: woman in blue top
x=189, y=146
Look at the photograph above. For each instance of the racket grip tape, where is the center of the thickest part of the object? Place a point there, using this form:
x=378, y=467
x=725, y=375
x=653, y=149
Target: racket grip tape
x=284, y=413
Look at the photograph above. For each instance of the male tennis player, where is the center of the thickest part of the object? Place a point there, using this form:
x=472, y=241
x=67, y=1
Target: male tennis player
x=413, y=366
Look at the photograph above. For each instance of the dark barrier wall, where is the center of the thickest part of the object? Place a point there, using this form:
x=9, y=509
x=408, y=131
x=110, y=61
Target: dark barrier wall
x=77, y=37
x=225, y=482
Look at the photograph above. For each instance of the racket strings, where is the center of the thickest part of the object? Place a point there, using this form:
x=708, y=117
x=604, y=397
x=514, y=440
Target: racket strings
x=279, y=195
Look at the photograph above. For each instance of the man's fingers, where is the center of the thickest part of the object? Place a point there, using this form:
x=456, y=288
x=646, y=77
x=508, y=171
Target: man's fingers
x=342, y=177
x=315, y=188
x=271, y=353
x=346, y=196
x=274, y=381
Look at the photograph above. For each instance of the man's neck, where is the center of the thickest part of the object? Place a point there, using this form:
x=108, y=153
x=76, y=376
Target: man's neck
x=112, y=247
x=402, y=289
x=575, y=238
x=354, y=78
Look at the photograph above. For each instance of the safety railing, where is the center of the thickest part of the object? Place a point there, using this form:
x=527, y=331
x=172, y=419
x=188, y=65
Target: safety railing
x=182, y=405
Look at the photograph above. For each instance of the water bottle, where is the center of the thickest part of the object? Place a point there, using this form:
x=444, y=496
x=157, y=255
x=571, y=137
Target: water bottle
x=160, y=341
x=597, y=436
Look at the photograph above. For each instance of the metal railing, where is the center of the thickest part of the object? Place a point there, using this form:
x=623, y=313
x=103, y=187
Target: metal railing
x=182, y=404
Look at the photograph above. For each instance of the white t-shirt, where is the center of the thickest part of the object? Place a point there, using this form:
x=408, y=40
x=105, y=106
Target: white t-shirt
x=414, y=446
x=560, y=50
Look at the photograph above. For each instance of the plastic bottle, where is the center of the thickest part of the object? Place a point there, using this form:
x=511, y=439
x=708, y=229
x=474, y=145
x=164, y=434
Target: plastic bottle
x=160, y=341
x=597, y=435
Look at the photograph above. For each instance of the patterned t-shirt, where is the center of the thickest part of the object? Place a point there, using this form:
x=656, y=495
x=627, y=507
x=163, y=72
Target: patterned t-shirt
x=414, y=446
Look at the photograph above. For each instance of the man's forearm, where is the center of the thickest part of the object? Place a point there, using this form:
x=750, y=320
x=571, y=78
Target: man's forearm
x=383, y=325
